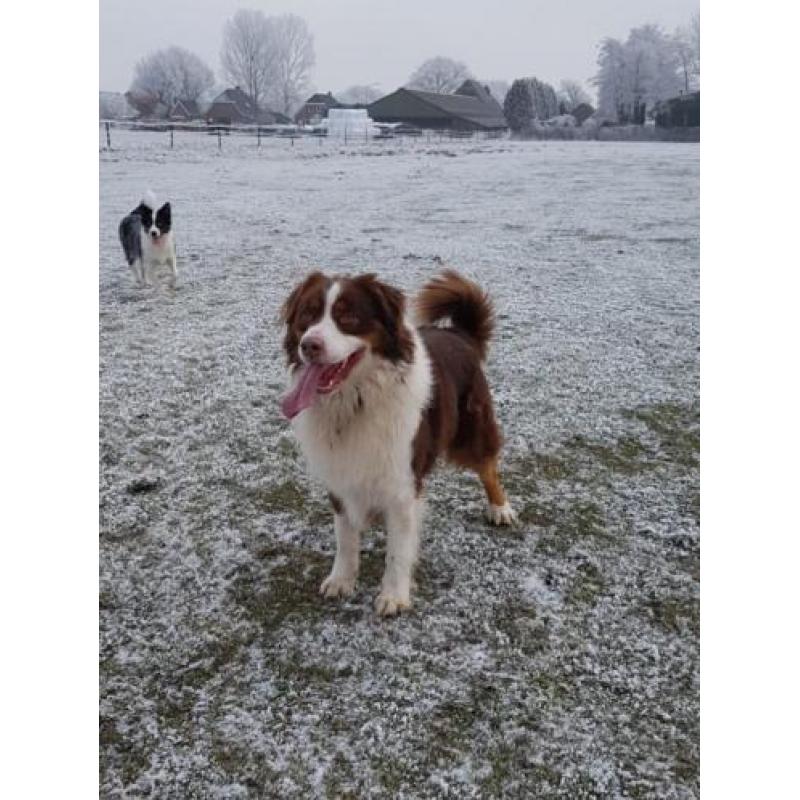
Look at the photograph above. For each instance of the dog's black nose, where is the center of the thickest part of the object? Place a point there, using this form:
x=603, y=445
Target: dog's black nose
x=311, y=348
x=154, y=234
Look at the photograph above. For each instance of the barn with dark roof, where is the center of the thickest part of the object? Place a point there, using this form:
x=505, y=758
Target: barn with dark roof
x=470, y=108
x=235, y=107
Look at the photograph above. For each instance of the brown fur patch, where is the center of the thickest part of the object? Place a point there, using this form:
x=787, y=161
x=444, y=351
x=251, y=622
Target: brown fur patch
x=304, y=306
x=338, y=508
x=467, y=306
x=373, y=310
x=459, y=422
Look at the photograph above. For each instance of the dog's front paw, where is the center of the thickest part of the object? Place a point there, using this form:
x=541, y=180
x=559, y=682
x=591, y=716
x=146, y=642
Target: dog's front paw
x=501, y=515
x=388, y=603
x=337, y=586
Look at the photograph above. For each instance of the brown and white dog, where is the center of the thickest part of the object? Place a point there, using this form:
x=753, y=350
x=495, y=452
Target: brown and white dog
x=375, y=400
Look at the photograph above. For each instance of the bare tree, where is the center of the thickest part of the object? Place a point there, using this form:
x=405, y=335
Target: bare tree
x=360, y=95
x=687, y=46
x=572, y=94
x=292, y=57
x=439, y=75
x=172, y=74
x=247, y=55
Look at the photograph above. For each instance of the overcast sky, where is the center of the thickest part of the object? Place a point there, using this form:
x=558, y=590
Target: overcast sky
x=382, y=41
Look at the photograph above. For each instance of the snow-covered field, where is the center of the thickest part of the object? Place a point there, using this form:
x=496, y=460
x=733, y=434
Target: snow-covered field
x=556, y=660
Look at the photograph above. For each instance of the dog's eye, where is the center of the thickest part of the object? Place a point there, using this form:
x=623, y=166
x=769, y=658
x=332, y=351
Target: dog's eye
x=348, y=319
x=306, y=317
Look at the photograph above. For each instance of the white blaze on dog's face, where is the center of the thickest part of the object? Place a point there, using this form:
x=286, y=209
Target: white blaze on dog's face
x=331, y=324
x=325, y=342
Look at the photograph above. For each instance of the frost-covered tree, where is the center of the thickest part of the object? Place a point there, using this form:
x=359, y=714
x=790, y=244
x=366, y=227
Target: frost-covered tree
x=529, y=100
x=292, y=60
x=652, y=74
x=247, y=53
x=571, y=95
x=545, y=102
x=518, y=106
x=439, y=75
x=634, y=76
x=687, y=48
x=610, y=78
x=172, y=74
x=359, y=95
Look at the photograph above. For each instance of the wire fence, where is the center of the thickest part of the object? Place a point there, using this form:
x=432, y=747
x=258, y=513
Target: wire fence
x=290, y=133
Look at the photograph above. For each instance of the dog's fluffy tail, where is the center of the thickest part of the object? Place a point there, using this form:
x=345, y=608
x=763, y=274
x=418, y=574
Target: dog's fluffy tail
x=464, y=303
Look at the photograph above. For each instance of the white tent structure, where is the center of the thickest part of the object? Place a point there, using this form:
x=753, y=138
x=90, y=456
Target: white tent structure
x=347, y=123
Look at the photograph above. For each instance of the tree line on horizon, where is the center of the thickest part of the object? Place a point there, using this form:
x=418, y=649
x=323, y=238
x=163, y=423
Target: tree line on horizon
x=271, y=58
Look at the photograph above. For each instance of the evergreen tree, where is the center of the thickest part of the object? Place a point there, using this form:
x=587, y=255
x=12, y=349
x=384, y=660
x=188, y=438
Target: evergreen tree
x=518, y=106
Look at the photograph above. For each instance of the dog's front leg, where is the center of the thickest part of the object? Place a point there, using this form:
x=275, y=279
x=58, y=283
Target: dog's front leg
x=173, y=265
x=402, y=542
x=342, y=580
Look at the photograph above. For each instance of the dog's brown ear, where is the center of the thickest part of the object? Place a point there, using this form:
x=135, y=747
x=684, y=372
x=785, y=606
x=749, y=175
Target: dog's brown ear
x=390, y=304
x=292, y=302
x=290, y=308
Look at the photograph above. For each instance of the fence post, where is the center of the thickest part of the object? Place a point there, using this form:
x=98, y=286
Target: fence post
x=219, y=138
x=171, y=136
x=108, y=135
x=258, y=134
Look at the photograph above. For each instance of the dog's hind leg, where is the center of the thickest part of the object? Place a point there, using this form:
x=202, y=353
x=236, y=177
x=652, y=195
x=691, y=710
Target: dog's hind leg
x=499, y=511
x=137, y=268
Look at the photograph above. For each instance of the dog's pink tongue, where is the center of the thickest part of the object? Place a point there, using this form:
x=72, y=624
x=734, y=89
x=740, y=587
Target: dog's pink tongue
x=304, y=392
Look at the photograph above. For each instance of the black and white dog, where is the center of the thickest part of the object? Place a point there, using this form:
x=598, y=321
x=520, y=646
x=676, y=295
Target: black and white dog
x=146, y=237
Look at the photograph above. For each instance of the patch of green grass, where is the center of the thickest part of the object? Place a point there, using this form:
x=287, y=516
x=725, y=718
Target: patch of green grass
x=518, y=622
x=677, y=427
x=625, y=456
x=237, y=762
x=216, y=657
x=281, y=498
x=520, y=475
x=510, y=765
x=114, y=747
x=589, y=584
x=288, y=589
x=539, y=514
x=673, y=613
x=391, y=773
x=109, y=735
x=555, y=687
x=581, y=520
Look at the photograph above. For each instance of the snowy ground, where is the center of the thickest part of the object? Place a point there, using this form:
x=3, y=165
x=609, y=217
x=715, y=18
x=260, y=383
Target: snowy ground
x=557, y=660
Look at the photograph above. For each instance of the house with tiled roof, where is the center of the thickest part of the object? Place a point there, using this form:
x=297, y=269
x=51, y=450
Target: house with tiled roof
x=236, y=107
x=316, y=108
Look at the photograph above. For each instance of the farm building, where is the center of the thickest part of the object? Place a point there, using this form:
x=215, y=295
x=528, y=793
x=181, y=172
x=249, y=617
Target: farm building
x=470, y=108
x=184, y=111
x=679, y=112
x=315, y=109
x=235, y=107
